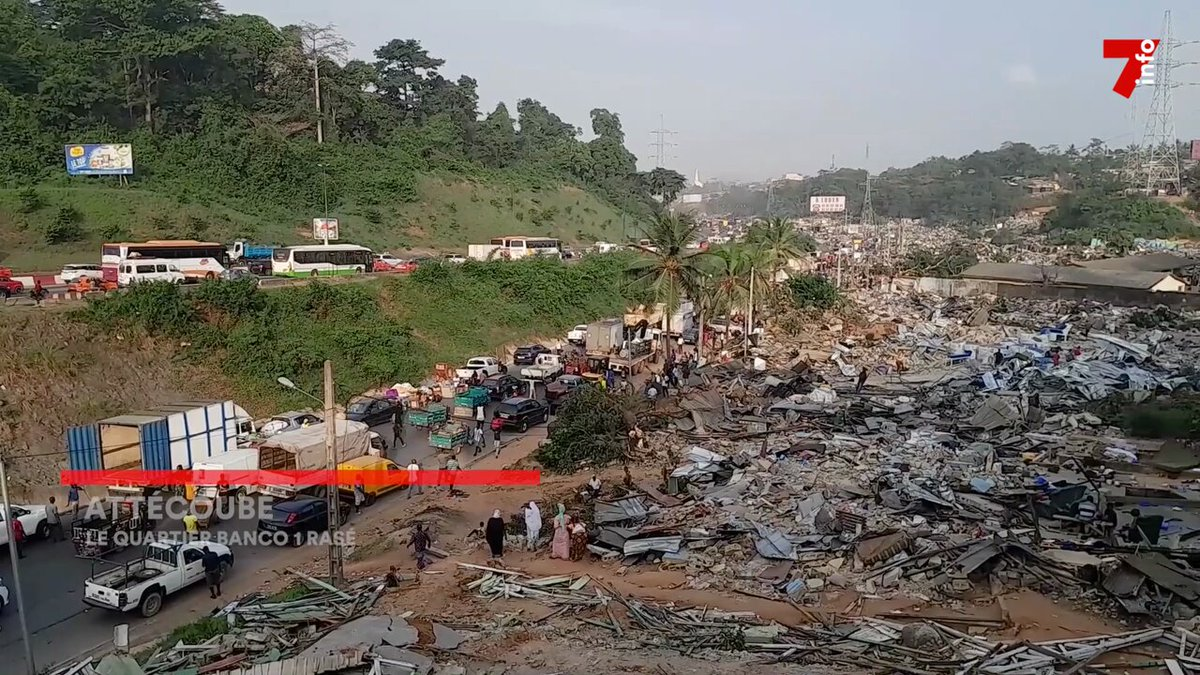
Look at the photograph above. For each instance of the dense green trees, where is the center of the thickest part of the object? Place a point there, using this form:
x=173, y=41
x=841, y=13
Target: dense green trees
x=978, y=187
x=1114, y=218
x=223, y=107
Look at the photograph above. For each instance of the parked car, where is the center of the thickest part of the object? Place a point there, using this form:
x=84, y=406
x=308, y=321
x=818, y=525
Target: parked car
x=33, y=519
x=76, y=271
x=288, y=421
x=299, y=516
x=386, y=262
x=690, y=334
x=237, y=274
x=454, y=258
x=485, y=366
x=501, y=386
x=558, y=390
x=370, y=411
x=164, y=568
x=520, y=413
x=525, y=356
x=371, y=466
x=10, y=287
x=578, y=334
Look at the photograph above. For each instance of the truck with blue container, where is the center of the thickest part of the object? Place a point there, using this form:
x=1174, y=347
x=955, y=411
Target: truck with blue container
x=161, y=438
x=242, y=250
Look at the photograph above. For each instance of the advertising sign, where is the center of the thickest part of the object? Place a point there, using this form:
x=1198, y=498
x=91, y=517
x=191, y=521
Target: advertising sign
x=826, y=204
x=1196, y=150
x=91, y=159
x=325, y=229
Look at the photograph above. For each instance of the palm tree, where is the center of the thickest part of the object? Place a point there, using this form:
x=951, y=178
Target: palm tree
x=667, y=267
x=780, y=242
x=739, y=274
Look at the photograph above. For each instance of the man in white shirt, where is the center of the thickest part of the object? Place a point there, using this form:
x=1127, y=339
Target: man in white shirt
x=414, y=473
x=479, y=417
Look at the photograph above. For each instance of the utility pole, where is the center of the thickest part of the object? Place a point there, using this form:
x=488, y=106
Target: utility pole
x=335, y=506
x=14, y=558
x=317, y=96
x=1159, y=168
x=661, y=142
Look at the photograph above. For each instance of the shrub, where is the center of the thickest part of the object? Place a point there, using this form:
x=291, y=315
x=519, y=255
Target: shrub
x=30, y=200
x=809, y=291
x=590, y=429
x=65, y=227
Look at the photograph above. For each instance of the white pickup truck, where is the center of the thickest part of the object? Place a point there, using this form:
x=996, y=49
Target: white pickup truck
x=546, y=367
x=165, y=568
x=486, y=366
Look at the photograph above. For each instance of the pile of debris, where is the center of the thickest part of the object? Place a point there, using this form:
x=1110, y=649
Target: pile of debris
x=919, y=647
x=966, y=470
x=262, y=630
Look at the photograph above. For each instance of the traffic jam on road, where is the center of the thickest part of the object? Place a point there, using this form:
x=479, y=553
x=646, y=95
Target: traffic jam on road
x=123, y=551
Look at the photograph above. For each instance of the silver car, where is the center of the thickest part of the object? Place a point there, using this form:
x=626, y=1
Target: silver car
x=76, y=271
x=288, y=421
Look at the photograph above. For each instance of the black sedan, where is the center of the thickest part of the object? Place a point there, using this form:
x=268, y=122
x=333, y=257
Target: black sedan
x=501, y=386
x=299, y=518
x=370, y=411
x=520, y=413
x=525, y=356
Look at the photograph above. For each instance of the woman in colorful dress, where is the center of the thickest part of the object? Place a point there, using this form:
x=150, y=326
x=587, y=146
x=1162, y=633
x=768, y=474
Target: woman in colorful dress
x=560, y=546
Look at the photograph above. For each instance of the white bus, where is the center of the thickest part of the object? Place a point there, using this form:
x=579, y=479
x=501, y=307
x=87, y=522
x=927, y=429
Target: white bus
x=321, y=260
x=197, y=260
x=516, y=247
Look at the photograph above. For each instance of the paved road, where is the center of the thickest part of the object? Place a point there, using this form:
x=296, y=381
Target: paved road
x=52, y=578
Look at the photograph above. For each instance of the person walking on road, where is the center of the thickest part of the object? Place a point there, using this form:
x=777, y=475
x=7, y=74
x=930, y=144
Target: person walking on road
x=452, y=468
x=496, y=436
x=479, y=417
x=478, y=441
x=398, y=427
x=414, y=478
x=73, y=500
x=494, y=534
x=191, y=526
x=360, y=494
x=18, y=535
x=54, y=521
x=212, y=572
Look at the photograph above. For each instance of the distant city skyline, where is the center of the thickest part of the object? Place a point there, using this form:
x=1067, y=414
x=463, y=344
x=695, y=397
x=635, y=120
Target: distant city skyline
x=759, y=89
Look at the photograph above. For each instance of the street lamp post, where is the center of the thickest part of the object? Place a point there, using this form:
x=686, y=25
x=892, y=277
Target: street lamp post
x=334, y=507
x=16, y=571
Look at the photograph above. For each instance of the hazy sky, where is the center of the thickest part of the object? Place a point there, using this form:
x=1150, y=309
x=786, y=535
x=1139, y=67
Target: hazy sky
x=756, y=88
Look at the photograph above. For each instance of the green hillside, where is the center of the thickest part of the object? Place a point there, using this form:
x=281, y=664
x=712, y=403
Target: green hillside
x=228, y=139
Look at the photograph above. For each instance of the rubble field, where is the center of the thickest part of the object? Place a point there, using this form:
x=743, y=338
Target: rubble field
x=964, y=508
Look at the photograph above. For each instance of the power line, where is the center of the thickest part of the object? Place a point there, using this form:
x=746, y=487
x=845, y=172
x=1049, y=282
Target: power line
x=1158, y=168
x=661, y=142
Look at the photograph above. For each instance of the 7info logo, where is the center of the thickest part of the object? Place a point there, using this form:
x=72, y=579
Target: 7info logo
x=1139, y=63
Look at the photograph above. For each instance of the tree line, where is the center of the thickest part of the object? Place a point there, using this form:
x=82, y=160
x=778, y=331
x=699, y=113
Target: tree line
x=975, y=188
x=229, y=106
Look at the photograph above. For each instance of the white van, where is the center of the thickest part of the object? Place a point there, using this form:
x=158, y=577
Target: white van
x=142, y=270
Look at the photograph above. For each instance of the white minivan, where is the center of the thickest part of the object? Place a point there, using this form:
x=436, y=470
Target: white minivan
x=143, y=270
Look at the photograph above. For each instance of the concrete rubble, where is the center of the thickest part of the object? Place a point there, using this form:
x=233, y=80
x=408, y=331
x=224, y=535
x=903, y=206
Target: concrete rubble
x=958, y=466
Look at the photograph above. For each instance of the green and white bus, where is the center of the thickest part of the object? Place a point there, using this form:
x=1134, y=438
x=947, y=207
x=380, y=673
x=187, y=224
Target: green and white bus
x=320, y=260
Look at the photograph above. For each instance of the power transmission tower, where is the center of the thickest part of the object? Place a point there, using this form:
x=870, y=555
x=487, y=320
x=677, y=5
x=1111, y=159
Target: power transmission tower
x=1132, y=166
x=661, y=143
x=1160, y=148
x=868, y=216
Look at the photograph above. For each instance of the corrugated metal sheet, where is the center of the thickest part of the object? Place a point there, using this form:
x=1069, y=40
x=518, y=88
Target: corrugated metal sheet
x=303, y=665
x=83, y=448
x=630, y=508
x=664, y=544
x=156, y=446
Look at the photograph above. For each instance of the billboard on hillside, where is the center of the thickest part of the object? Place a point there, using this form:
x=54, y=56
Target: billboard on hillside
x=325, y=229
x=826, y=204
x=93, y=159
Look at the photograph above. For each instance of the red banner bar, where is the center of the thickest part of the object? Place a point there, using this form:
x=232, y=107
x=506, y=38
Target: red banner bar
x=344, y=478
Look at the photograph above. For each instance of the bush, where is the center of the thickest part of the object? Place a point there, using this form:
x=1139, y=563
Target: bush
x=813, y=292
x=590, y=429
x=30, y=200
x=65, y=227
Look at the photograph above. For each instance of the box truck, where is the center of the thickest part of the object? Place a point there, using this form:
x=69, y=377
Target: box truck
x=605, y=336
x=158, y=439
x=304, y=450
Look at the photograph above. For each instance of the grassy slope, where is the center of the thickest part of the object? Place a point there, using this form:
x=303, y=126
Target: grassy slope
x=449, y=215
x=64, y=372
